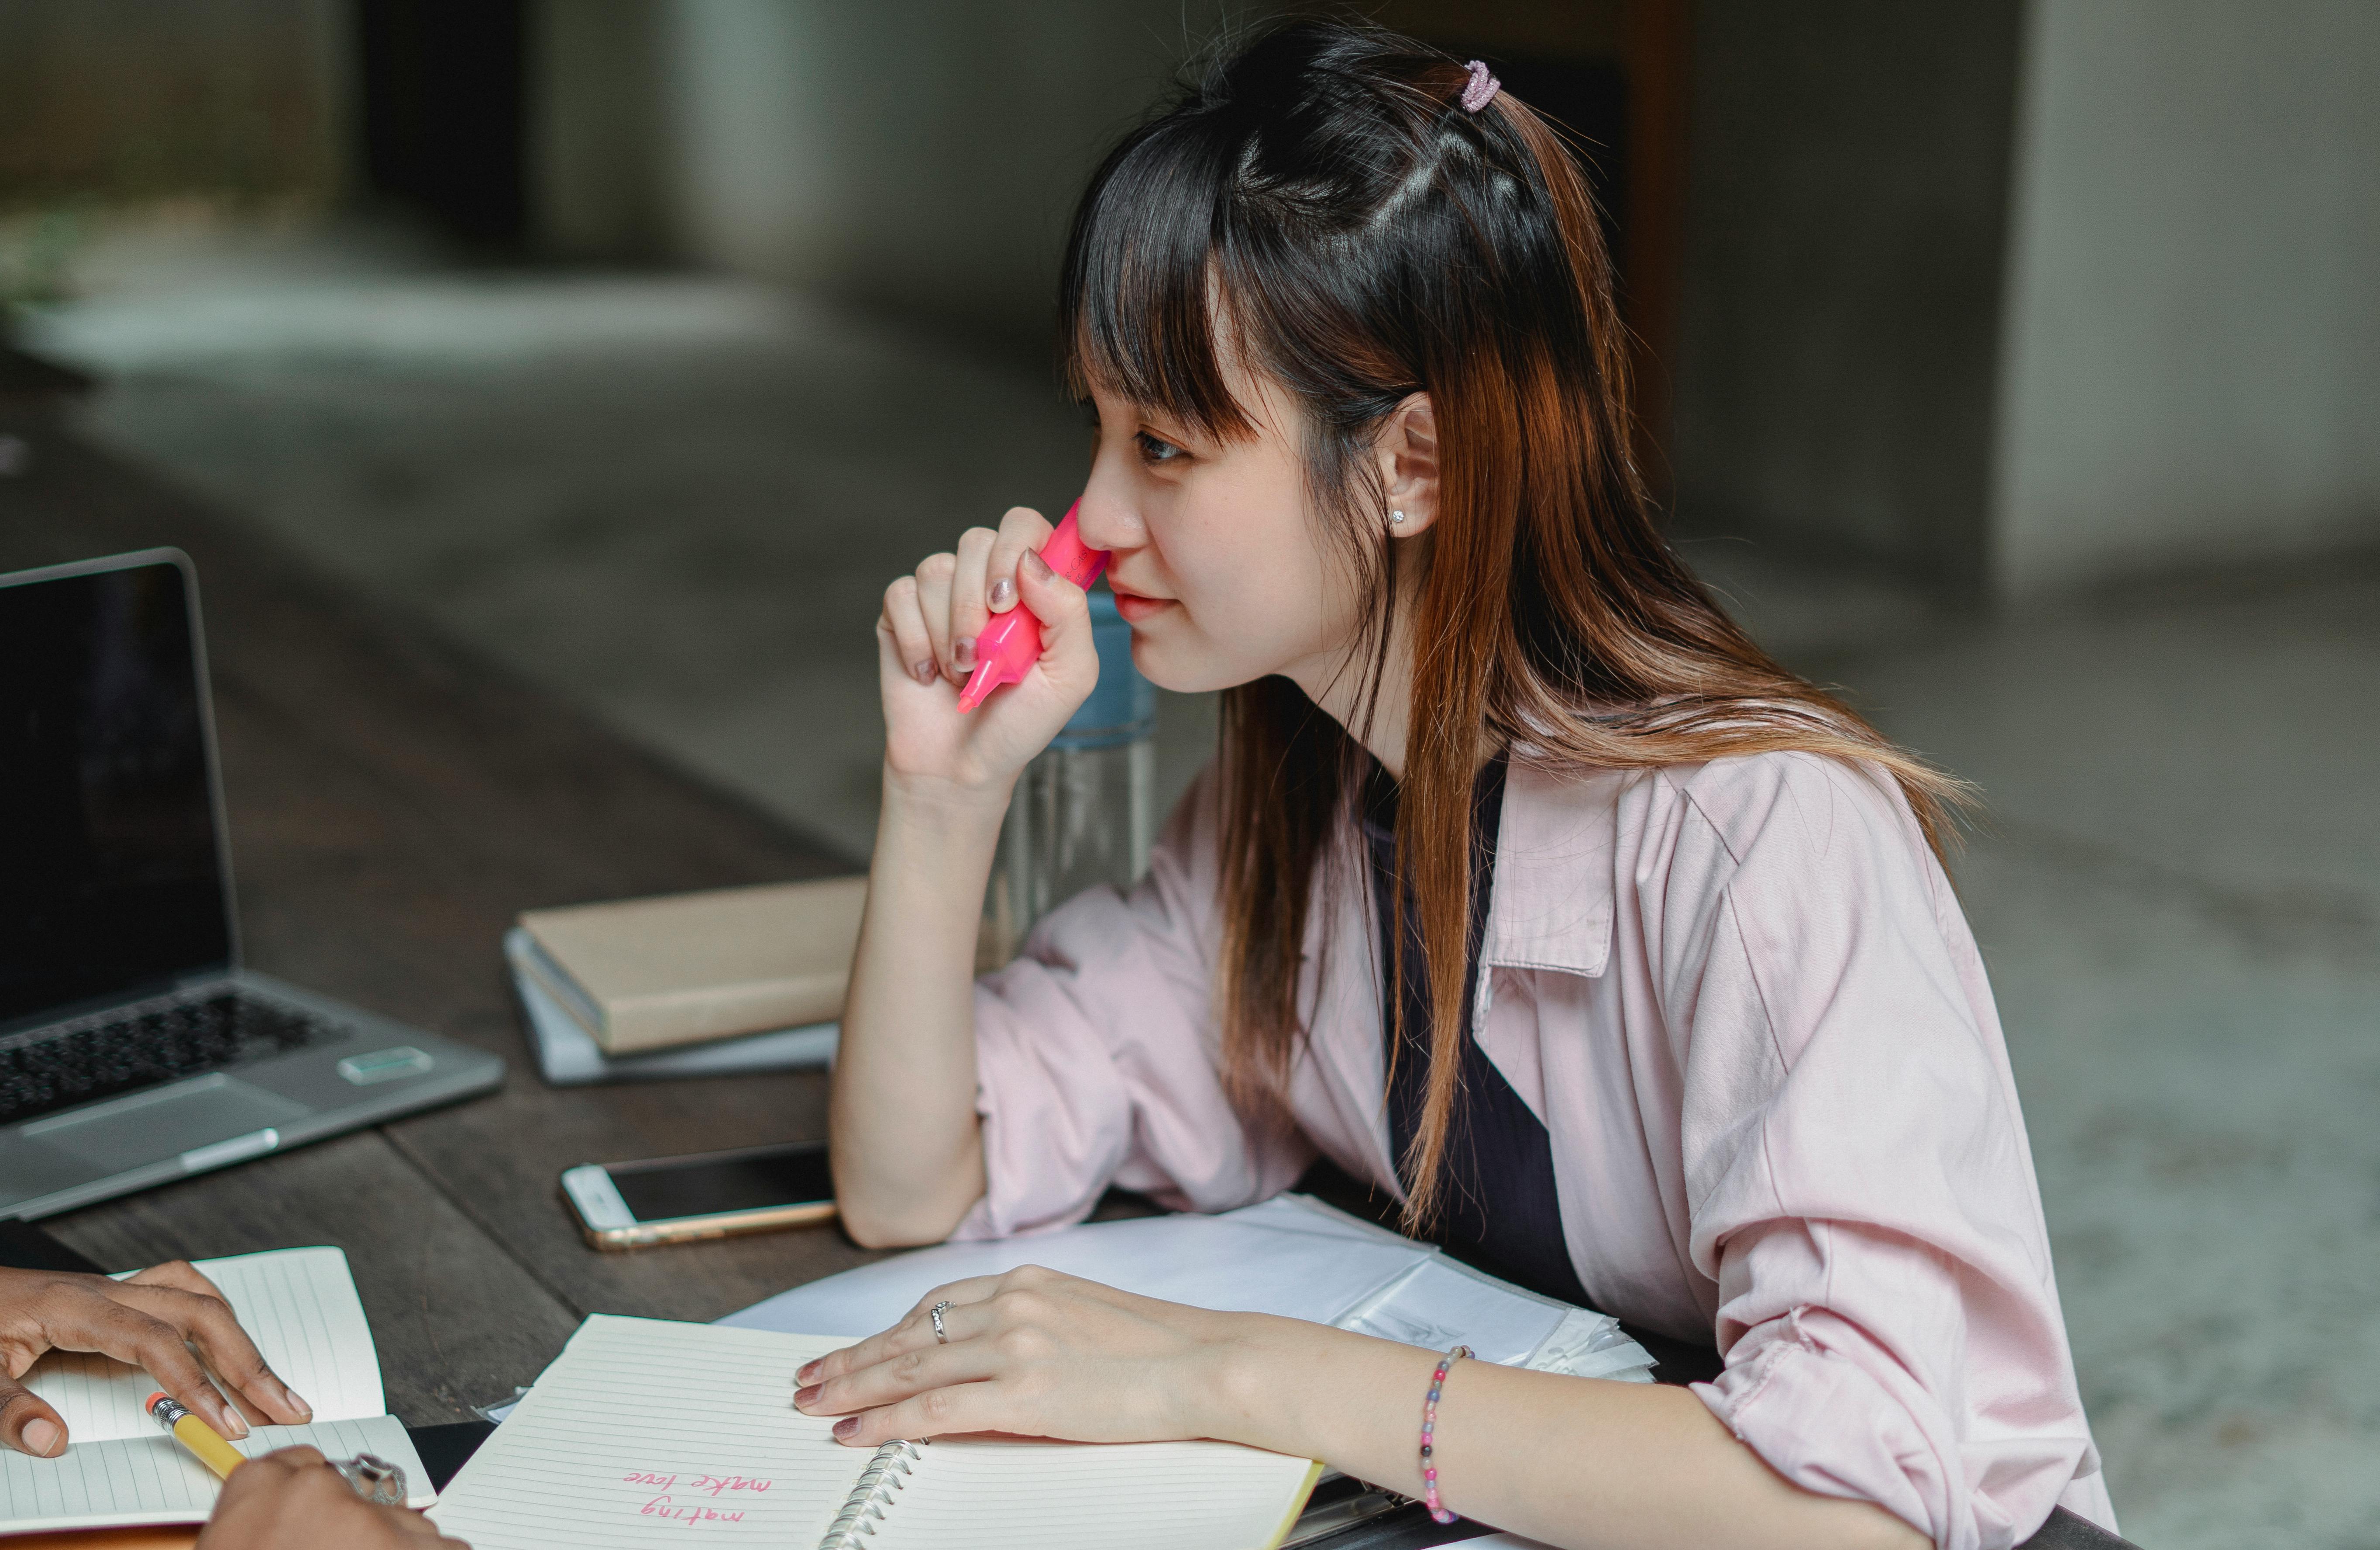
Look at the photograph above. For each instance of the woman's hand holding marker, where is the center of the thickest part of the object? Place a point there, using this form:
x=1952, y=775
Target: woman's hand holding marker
x=926, y=648
x=1011, y=644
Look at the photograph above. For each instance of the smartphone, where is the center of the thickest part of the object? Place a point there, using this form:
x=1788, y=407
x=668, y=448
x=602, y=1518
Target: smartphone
x=710, y=1194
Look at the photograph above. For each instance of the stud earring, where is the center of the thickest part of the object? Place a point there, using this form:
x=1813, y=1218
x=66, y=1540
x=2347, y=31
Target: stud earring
x=1396, y=519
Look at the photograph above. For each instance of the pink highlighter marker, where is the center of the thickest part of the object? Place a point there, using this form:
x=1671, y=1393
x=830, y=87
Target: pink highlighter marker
x=1012, y=643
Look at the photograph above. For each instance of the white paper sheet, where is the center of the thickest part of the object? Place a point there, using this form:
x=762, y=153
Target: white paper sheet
x=1292, y=1255
x=1301, y=1262
x=298, y=1305
x=1442, y=1303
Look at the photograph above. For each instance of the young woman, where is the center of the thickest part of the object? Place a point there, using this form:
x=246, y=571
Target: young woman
x=1526, y=887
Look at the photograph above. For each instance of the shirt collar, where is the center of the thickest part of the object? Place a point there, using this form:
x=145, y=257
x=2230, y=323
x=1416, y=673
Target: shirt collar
x=1553, y=900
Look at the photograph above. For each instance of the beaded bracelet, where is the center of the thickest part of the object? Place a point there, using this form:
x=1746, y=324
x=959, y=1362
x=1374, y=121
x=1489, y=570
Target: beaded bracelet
x=1429, y=1435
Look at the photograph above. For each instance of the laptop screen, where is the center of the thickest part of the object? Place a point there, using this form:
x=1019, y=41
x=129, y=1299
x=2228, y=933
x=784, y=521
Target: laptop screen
x=110, y=879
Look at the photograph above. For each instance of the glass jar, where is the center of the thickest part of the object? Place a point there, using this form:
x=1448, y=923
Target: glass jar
x=1084, y=812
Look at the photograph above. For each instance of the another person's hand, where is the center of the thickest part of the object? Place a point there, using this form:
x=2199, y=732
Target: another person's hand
x=926, y=643
x=290, y=1500
x=1037, y=1354
x=152, y=1321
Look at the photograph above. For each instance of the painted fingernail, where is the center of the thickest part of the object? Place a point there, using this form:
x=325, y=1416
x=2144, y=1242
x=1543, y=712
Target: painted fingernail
x=808, y=1370
x=1041, y=571
x=42, y=1438
x=926, y=671
x=1003, y=594
x=847, y=1427
x=963, y=653
x=805, y=1396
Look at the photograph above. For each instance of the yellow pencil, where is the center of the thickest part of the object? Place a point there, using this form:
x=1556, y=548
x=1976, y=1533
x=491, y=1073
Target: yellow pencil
x=195, y=1435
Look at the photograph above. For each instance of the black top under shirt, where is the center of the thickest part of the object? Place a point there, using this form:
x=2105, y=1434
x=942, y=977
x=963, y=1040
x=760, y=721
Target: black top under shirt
x=1498, y=1208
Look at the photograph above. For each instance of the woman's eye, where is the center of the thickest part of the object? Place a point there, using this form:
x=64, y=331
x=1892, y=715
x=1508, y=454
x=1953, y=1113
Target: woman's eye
x=1155, y=449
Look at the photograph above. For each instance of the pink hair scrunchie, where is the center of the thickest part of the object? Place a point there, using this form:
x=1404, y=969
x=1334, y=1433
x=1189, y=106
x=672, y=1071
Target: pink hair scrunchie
x=1481, y=89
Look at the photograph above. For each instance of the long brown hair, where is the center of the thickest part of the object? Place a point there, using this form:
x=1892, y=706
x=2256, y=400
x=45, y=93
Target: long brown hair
x=1321, y=205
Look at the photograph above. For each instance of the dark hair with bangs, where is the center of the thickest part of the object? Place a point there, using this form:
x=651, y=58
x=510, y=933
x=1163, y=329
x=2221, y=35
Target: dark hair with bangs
x=1319, y=203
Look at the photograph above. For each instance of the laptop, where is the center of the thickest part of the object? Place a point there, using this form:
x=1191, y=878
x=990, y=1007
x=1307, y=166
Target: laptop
x=134, y=1048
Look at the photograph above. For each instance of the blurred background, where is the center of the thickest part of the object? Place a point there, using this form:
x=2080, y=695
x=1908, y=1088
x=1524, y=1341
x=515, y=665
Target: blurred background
x=2014, y=364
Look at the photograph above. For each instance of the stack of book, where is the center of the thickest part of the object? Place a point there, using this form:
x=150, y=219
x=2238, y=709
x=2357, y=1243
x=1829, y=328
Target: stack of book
x=693, y=985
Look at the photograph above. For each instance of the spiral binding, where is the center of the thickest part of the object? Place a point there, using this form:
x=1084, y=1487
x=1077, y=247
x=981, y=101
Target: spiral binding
x=870, y=1494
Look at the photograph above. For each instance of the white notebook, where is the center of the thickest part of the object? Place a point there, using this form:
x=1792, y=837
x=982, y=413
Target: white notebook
x=644, y=1429
x=119, y=1469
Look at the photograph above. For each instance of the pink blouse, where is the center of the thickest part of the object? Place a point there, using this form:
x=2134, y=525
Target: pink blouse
x=1743, y=999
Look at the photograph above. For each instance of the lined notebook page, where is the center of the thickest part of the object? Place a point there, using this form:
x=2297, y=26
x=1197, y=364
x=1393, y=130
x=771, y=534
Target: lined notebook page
x=300, y=1308
x=984, y=1495
x=154, y=1480
x=643, y=1430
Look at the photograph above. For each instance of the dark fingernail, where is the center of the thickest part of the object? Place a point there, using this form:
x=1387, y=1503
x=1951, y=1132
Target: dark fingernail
x=1041, y=571
x=963, y=653
x=805, y=1396
x=1003, y=594
x=927, y=672
x=847, y=1427
x=808, y=1370
x=42, y=1438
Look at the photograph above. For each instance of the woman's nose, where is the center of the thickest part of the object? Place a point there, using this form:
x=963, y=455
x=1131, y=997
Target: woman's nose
x=1106, y=522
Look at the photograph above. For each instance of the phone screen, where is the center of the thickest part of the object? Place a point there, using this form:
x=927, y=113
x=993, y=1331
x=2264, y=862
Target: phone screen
x=710, y=1186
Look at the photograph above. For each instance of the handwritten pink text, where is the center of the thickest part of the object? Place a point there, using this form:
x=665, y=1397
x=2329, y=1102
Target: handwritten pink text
x=689, y=1513
x=669, y=1509
x=711, y=1485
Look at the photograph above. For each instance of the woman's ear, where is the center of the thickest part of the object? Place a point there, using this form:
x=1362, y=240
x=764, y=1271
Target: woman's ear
x=1407, y=449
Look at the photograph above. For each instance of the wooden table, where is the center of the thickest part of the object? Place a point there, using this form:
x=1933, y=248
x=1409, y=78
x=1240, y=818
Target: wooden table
x=394, y=802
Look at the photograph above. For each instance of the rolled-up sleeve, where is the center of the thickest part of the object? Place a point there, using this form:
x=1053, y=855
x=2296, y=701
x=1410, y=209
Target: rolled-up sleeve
x=1096, y=1054
x=1857, y=1172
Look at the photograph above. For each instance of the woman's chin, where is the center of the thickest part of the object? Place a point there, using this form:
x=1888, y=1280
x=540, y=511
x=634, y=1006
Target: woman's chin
x=1180, y=668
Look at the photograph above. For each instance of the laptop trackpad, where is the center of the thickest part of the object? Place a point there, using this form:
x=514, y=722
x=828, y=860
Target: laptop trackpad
x=164, y=1122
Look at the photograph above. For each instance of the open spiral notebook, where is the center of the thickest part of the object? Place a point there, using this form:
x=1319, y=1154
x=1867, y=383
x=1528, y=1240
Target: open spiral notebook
x=643, y=1430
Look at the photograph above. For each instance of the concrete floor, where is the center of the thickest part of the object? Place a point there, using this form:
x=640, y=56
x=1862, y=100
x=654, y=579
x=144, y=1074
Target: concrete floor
x=677, y=499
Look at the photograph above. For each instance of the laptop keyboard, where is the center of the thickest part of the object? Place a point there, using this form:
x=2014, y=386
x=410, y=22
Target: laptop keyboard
x=191, y=1039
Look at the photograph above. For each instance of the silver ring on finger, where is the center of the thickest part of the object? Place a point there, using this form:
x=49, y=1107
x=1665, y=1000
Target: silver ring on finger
x=942, y=1336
